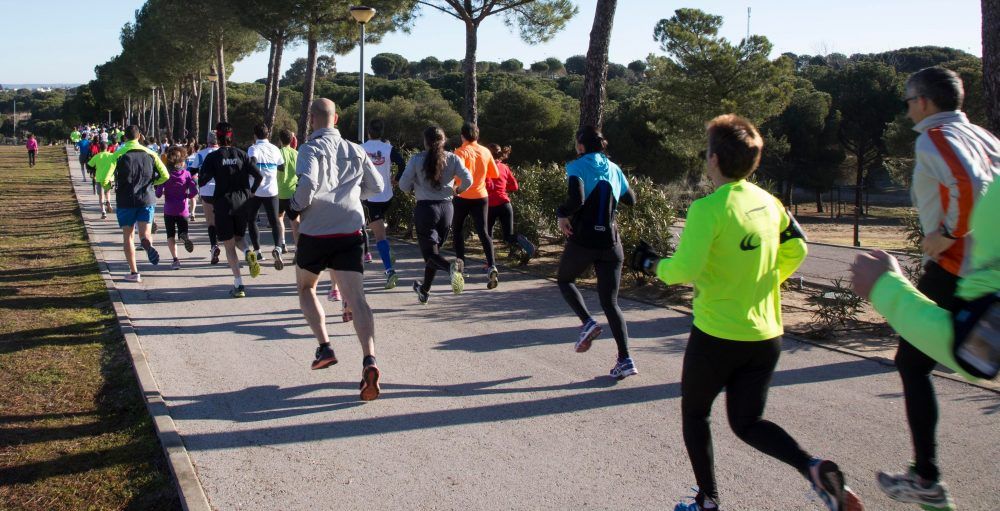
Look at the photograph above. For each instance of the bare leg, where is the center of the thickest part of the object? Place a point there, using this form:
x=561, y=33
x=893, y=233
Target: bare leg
x=311, y=308
x=231, y=257
x=128, y=243
x=352, y=286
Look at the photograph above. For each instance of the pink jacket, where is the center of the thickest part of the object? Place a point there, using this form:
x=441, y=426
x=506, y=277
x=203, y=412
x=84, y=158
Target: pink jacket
x=32, y=144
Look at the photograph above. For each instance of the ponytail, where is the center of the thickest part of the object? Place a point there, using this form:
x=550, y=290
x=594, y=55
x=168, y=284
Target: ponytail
x=434, y=162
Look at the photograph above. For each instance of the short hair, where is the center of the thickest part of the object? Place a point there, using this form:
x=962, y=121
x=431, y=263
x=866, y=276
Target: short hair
x=212, y=139
x=285, y=136
x=132, y=132
x=376, y=129
x=261, y=131
x=736, y=143
x=591, y=139
x=176, y=156
x=470, y=131
x=941, y=86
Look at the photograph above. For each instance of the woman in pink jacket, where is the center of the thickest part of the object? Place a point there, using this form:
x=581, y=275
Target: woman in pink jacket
x=32, y=145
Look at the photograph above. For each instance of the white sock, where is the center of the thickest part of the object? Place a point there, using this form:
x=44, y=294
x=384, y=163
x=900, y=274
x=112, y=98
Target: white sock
x=238, y=281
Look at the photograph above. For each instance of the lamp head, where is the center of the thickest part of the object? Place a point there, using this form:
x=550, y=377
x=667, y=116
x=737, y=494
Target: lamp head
x=362, y=14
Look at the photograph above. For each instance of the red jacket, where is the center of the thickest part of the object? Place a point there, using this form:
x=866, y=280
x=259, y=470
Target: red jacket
x=497, y=188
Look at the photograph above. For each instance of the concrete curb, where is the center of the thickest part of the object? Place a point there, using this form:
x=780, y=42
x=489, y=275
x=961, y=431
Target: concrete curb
x=797, y=338
x=189, y=489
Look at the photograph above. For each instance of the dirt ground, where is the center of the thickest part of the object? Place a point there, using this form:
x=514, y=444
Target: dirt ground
x=884, y=227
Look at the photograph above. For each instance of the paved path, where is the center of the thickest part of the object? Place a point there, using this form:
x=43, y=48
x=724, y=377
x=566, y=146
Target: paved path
x=486, y=406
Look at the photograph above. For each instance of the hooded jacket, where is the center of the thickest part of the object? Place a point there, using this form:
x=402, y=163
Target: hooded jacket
x=177, y=190
x=136, y=172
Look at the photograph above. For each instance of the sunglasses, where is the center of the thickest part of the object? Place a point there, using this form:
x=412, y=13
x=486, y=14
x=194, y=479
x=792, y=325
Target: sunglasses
x=906, y=101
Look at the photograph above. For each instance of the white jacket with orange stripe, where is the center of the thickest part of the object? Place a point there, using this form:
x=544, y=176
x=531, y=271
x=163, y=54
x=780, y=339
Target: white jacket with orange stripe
x=955, y=162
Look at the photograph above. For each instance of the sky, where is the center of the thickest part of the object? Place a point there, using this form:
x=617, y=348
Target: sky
x=64, y=43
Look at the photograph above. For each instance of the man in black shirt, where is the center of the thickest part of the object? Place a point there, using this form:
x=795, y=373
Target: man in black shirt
x=232, y=169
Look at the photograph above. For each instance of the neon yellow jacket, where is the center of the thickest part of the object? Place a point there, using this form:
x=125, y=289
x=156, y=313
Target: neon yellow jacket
x=132, y=145
x=75, y=136
x=104, y=162
x=919, y=320
x=731, y=250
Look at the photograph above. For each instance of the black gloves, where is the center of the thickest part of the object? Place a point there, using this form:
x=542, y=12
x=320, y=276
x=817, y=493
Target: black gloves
x=644, y=259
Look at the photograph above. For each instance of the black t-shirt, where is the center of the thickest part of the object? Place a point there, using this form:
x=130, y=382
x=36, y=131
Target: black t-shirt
x=232, y=169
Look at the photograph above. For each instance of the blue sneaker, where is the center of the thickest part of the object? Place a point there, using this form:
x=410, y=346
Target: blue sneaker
x=700, y=501
x=588, y=332
x=151, y=253
x=624, y=368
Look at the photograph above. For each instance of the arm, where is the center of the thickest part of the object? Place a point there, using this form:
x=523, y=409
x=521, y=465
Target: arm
x=627, y=198
x=192, y=188
x=492, y=170
x=792, y=248
x=250, y=167
x=462, y=174
x=106, y=176
x=159, y=191
x=407, y=179
x=206, y=172
x=371, y=180
x=692, y=252
x=512, y=185
x=160, y=176
x=397, y=159
x=574, y=198
x=307, y=168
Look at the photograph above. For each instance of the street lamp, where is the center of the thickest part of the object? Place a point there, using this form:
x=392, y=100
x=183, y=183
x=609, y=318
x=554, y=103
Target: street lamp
x=362, y=15
x=212, y=78
x=109, y=118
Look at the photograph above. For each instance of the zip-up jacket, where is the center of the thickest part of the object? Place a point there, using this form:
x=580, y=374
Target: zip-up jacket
x=595, y=187
x=136, y=171
x=231, y=168
x=954, y=162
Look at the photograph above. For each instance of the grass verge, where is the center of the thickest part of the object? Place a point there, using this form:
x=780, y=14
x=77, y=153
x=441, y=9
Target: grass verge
x=74, y=432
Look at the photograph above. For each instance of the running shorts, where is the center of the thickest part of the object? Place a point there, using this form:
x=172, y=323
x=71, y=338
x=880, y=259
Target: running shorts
x=128, y=217
x=341, y=254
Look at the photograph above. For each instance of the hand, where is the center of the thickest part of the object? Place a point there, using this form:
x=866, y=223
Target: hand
x=395, y=182
x=565, y=226
x=935, y=244
x=644, y=259
x=870, y=267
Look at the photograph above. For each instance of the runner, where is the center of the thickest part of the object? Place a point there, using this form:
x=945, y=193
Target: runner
x=102, y=164
x=499, y=203
x=474, y=201
x=32, y=146
x=177, y=190
x=75, y=137
x=207, y=193
x=435, y=176
x=334, y=176
x=269, y=162
x=191, y=150
x=595, y=188
x=136, y=171
x=955, y=162
x=737, y=247
x=231, y=168
x=384, y=156
x=286, y=187
x=83, y=147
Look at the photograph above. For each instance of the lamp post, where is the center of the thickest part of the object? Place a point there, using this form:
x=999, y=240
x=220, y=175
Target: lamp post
x=212, y=78
x=109, y=118
x=362, y=15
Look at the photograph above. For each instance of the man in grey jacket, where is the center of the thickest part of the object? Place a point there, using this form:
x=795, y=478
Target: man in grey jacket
x=334, y=176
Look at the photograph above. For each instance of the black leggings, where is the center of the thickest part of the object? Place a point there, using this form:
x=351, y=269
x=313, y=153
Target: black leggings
x=432, y=219
x=271, y=209
x=607, y=264
x=31, y=158
x=744, y=370
x=477, y=209
x=505, y=214
x=915, y=370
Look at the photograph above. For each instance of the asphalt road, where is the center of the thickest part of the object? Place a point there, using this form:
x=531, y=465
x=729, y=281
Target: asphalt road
x=486, y=406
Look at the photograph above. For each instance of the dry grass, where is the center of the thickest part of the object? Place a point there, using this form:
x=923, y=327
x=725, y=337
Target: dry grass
x=74, y=433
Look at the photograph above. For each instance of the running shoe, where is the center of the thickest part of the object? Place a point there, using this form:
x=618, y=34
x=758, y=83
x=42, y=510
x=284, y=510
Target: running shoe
x=104, y=215
x=391, y=279
x=176, y=265
x=278, y=263
x=348, y=314
x=191, y=218
x=333, y=295
x=624, y=368
x=368, y=257
x=421, y=295
x=324, y=357
x=828, y=482
x=238, y=292
x=260, y=256
x=188, y=244
x=133, y=277
x=527, y=246
x=251, y=257
x=906, y=487
x=457, y=276
x=369, y=383
x=108, y=204
x=698, y=505
x=216, y=251
x=494, y=276
x=151, y=253
x=588, y=332
x=154, y=228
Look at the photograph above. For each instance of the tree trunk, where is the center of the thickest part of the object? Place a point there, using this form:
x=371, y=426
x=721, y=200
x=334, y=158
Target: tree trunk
x=471, y=85
x=223, y=109
x=819, y=200
x=142, y=114
x=196, y=125
x=308, y=86
x=269, y=81
x=182, y=130
x=167, y=109
x=991, y=62
x=595, y=81
x=857, y=200
x=275, y=88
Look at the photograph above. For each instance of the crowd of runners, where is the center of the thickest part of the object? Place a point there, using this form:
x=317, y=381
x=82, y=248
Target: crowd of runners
x=739, y=244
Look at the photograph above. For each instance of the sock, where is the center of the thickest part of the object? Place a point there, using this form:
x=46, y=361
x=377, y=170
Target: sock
x=368, y=361
x=212, y=238
x=284, y=249
x=238, y=281
x=383, y=252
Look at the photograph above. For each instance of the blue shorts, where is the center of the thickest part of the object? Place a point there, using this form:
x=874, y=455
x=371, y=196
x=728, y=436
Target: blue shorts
x=129, y=216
